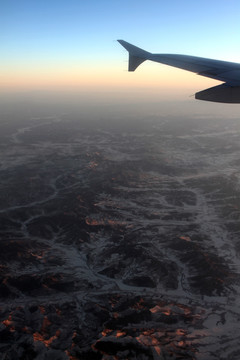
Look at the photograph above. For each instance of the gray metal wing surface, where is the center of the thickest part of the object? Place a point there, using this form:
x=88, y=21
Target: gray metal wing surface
x=227, y=72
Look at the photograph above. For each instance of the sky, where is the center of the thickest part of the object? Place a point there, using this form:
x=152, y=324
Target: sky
x=71, y=44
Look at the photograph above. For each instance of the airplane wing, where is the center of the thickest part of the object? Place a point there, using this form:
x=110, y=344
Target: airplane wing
x=225, y=71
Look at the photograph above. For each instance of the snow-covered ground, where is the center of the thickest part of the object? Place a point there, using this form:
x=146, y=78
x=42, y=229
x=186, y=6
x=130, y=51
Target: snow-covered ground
x=119, y=241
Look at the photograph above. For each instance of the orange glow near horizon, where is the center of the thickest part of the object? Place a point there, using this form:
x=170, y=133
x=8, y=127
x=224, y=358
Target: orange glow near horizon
x=90, y=78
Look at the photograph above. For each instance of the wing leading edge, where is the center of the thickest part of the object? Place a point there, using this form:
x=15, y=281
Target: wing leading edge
x=225, y=71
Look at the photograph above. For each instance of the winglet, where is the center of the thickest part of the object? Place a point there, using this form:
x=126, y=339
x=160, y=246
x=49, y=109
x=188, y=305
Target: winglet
x=136, y=55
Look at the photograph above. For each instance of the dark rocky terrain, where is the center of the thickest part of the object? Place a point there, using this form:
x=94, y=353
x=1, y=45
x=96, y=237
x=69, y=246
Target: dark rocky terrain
x=119, y=239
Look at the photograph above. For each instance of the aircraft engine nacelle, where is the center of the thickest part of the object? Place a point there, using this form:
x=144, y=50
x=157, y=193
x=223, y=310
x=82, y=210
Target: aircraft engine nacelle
x=221, y=93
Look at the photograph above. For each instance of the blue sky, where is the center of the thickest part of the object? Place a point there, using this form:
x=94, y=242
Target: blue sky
x=52, y=34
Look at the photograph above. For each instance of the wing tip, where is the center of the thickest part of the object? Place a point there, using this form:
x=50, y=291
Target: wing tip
x=136, y=55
